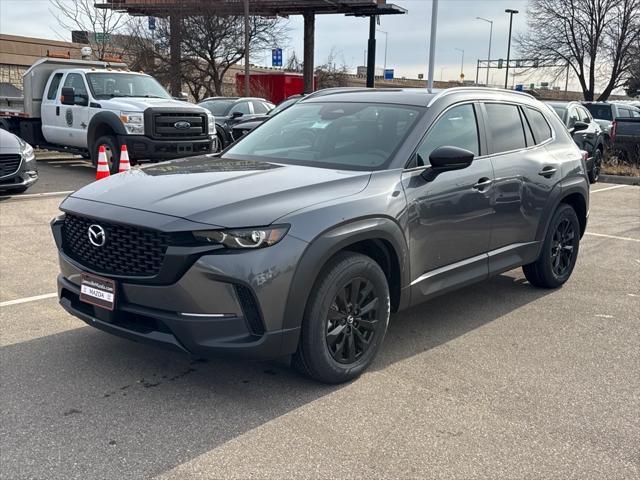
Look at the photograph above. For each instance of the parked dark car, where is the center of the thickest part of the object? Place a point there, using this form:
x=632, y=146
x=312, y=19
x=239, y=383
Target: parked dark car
x=621, y=125
x=18, y=169
x=230, y=110
x=245, y=126
x=585, y=132
x=304, y=248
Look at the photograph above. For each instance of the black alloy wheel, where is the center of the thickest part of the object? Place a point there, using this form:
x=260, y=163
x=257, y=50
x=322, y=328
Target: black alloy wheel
x=352, y=321
x=563, y=247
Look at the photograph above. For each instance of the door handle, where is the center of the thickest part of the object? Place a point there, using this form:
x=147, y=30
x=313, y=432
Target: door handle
x=548, y=172
x=57, y=111
x=483, y=183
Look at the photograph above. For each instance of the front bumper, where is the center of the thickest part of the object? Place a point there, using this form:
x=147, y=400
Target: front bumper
x=221, y=305
x=141, y=147
x=24, y=177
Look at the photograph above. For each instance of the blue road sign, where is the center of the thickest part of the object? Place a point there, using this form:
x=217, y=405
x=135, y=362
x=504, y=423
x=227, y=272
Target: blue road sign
x=276, y=57
x=388, y=74
x=152, y=23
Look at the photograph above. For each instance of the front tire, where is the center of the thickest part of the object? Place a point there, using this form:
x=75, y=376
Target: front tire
x=594, y=173
x=345, y=320
x=112, y=150
x=559, y=251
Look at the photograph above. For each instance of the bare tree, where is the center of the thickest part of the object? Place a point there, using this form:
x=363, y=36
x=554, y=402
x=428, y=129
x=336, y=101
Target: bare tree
x=100, y=24
x=594, y=37
x=212, y=44
x=330, y=74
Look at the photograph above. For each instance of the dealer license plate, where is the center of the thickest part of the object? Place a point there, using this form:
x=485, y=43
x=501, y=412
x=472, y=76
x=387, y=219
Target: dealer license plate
x=98, y=291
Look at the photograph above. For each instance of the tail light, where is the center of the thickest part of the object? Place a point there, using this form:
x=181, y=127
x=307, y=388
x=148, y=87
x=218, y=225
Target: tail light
x=585, y=155
x=614, y=126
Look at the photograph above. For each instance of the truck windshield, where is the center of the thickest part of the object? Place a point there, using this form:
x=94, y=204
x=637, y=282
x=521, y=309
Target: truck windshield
x=600, y=111
x=116, y=84
x=347, y=136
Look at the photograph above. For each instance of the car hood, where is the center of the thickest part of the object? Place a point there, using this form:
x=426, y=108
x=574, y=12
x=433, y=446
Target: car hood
x=9, y=143
x=135, y=104
x=224, y=192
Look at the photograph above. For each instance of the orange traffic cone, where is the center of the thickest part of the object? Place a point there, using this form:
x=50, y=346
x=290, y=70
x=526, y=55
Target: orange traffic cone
x=124, y=159
x=103, y=167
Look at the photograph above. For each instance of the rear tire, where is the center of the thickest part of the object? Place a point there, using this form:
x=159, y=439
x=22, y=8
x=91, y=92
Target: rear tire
x=113, y=152
x=345, y=320
x=559, y=251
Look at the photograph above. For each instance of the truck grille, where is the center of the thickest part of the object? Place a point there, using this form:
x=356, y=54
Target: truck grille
x=9, y=164
x=127, y=251
x=164, y=125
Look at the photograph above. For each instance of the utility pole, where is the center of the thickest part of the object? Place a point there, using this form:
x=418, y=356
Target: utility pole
x=386, y=41
x=432, y=43
x=246, y=49
x=511, y=13
x=371, y=59
x=490, y=37
x=461, y=64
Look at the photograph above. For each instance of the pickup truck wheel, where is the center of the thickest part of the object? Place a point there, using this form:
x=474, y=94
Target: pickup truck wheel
x=345, y=321
x=559, y=251
x=112, y=150
x=594, y=173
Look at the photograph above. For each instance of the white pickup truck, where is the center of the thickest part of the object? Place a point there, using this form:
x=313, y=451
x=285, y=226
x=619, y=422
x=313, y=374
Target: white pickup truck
x=77, y=105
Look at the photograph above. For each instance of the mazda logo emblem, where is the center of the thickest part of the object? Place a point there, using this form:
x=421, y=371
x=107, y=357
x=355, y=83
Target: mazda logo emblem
x=97, y=235
x=182, y=125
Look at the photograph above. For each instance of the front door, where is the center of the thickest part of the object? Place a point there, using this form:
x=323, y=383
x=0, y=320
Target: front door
x=75, y=118
x=449, y=215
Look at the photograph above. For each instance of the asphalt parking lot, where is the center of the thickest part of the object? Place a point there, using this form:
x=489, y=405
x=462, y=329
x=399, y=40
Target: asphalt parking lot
x=498, y=380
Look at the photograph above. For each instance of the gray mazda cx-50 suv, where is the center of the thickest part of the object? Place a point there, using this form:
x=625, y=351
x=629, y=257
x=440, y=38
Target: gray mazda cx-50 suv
x=305, y=235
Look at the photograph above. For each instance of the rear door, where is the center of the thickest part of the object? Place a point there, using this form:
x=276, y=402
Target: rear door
x=524, y=176
x=449, y=215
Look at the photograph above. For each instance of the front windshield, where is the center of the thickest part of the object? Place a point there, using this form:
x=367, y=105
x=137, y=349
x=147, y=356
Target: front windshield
x=220, y=108
x=350, y=136
x=561, y=111
x=116, y=84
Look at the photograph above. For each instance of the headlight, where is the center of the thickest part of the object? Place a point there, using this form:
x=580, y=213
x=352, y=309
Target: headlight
x=211, y=121
x=26, y=150
x=133, y=122
x=245, y=238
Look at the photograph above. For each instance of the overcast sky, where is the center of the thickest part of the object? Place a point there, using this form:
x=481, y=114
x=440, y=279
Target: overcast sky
x=408, y=34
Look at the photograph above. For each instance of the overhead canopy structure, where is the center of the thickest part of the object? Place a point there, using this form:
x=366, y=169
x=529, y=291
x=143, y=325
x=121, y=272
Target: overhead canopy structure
x=174, y=9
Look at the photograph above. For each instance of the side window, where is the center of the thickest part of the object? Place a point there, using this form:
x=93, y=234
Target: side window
x=573, y=117
x=539, y=126
x=527, y=129
x=242, y=107
x=75, y=81
x=53, y=88
x=586, y=118
x=457, y=127
x=259, y=107
x=635, y=113
x=506, y=127
x=624, y=113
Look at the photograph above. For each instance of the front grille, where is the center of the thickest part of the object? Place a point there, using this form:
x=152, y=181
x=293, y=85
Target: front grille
x=164, y=125
x=250, y=309
x=9, y=164
x=128, y=251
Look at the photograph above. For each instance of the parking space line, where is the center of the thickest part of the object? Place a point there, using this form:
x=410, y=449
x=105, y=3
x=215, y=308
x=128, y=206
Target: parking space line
x=18, y=301
x=628, y=239
x=37, y=195
x=608, y=188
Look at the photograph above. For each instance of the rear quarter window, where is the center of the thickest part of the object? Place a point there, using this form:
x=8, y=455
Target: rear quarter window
x=539, y=125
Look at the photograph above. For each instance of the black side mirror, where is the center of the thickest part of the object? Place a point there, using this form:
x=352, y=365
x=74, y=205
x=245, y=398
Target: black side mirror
x=579, y=126
x=450, y=158
x=68, y=96
x=236, y=114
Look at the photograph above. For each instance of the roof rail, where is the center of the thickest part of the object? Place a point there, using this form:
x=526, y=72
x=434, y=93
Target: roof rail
x=448, y=91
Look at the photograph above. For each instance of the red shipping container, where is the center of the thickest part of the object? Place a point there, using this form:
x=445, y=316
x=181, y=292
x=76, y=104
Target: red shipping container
x=272, y=86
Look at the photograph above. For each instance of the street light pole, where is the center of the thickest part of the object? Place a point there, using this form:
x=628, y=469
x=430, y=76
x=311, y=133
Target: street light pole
x=490, y=37
x=511, y=13
x=432, y=43
x=246, y=49
x=461, y=64
x=386, y=41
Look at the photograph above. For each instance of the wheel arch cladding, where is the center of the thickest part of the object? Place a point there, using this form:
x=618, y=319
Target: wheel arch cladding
x=379, y=238
x=104, y=123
